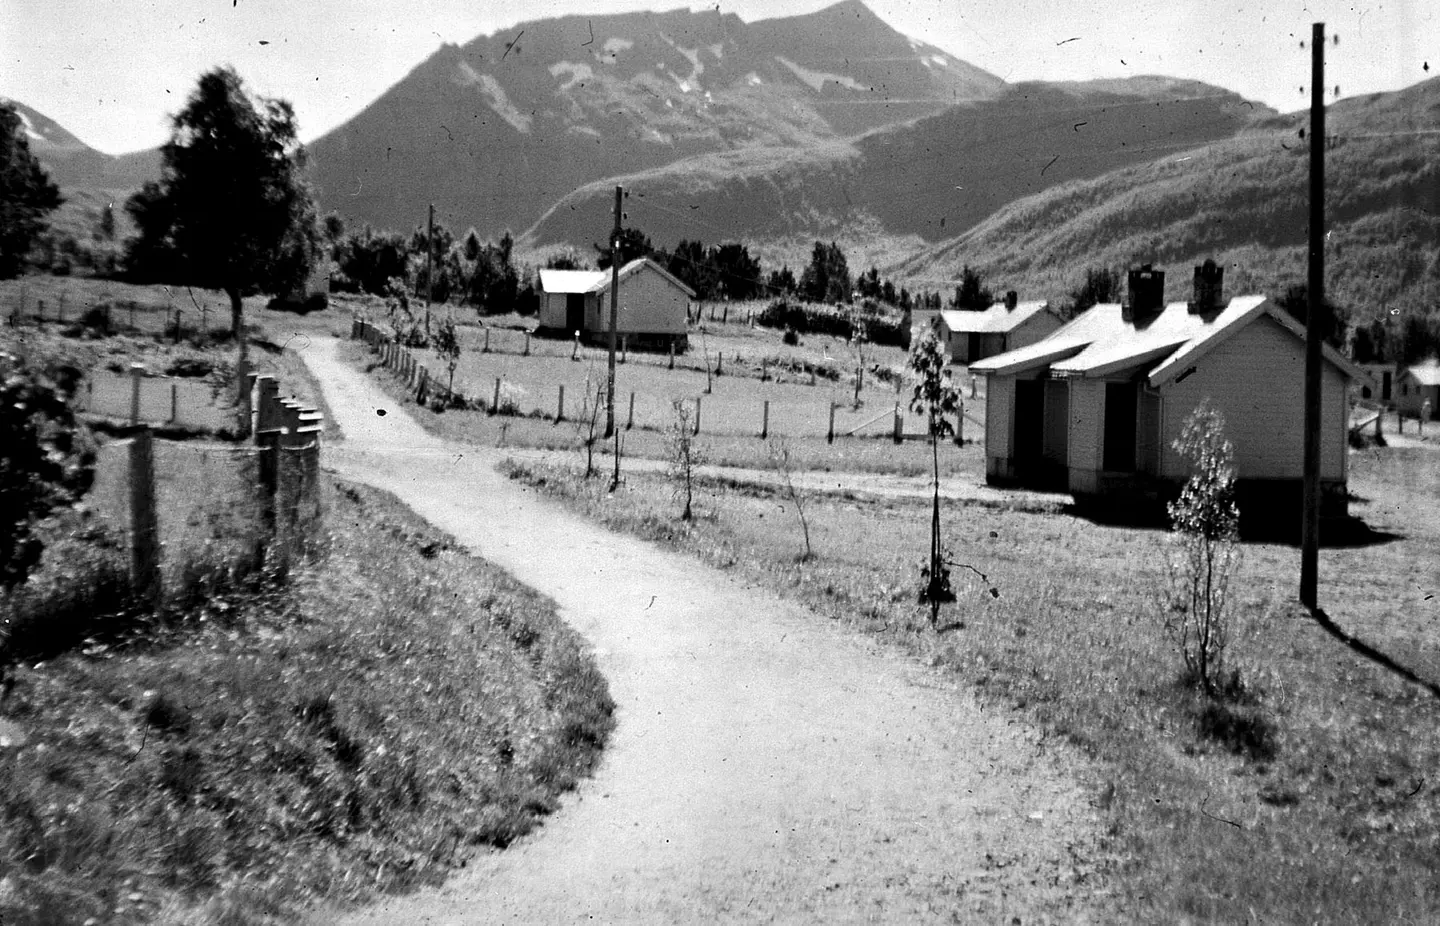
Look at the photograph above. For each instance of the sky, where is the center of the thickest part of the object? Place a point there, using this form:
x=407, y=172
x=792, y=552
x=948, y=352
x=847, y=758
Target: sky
x=112, y=71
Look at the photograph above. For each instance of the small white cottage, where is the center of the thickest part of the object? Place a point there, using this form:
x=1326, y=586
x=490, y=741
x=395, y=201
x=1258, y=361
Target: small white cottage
x=1417, y=390
x=652, y=306
x=1095, y=407
x=1007, y=325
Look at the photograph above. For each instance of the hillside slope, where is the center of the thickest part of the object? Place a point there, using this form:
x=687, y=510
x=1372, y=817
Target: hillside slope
x=497, y=130
x=927, y=178
x=1244, y=202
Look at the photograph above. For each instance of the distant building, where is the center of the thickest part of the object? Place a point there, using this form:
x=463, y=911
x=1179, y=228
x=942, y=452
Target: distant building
x=1417, y=385
x=1379, y=385
x=653, y=305
x=1007, y=325
x=1095, y=407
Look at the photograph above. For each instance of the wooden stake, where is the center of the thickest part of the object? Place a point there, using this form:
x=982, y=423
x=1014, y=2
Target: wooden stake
x=1310, y=504
x=630, y=422
x=765, y=420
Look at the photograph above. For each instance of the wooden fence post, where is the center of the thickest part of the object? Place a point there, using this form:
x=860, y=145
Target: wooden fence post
x=697, y=414
x=560, y=405
x=136, y=371
x=630, y=420
x=486, y=348
x=624, y=349
x=575, y=348
x=899, y=424
x=527, y=344
x=144, y=528
x=765, y=421
x=174, y=402
x=672, y=355
x=830, y=433
x=495, y=405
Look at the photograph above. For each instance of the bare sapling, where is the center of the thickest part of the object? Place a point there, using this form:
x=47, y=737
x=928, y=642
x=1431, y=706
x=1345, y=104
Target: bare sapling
x=448, y=349
x=683, y=458
x=783, y=461
x=936, y=397
x=705, y=349
x=860, y=333
x=1204, y=552
x=588, y=424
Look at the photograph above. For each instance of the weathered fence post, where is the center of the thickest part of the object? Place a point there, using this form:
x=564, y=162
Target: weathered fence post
x=725, y=315
x=764, y=369
x=575, y=348
x=174, y=401
x=630, y=420
x=177, y=326
x=486, y=348
x=560, y=405
x=830, y=432
x=144, y=528
x=527, y=344
x=495, y=404
x=624, y=349
x=697, y=414
x=136, y=371
x=672, y=355
x=765, y=420
x=960, y=425
x=899, y=424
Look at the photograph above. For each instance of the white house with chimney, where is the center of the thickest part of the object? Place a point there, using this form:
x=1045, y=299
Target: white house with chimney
x=1007, y=325
x=1095, y=407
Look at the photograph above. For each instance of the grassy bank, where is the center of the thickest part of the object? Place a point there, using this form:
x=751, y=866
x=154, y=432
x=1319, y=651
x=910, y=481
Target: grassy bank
x=1308, y=796
x=390, y=712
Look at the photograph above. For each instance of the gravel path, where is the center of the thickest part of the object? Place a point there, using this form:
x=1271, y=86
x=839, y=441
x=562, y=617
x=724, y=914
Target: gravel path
x=766, y=767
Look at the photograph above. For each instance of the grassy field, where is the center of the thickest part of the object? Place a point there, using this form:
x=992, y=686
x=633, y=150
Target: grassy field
x=1308, y=796
x=366, y=728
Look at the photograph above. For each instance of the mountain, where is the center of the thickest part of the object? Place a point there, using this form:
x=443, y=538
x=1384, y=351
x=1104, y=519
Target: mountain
x=926, y=178
x=72, y=163
x=1244, y=202
x=496, y=131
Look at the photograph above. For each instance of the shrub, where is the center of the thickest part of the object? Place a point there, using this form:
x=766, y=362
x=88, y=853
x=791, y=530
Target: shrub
x=683, y=458
x=1204, y=553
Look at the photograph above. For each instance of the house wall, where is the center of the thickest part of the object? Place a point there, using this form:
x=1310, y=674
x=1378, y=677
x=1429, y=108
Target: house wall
x=1256, y=379
x=649, y=304
x=552, y=310
x=999, y=404
x=990, y=346
x=1410, y=396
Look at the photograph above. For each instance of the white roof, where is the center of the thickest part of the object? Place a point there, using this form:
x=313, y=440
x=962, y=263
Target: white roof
x=1426, y=374
x=598, y=281
x=1100, y=341
x=995, y=320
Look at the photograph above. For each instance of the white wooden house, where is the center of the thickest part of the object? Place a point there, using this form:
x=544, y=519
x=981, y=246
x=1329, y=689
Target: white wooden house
x=1007, y=325
x=1416, y=387
x=652, y=305
x=1095, y=407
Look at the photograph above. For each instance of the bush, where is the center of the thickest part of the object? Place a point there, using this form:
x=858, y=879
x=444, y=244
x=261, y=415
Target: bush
x=814, y=319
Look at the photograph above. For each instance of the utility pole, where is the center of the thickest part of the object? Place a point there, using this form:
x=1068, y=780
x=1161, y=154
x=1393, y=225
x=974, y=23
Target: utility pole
x=614, y=311
x=429, y=264
x=1310, y=491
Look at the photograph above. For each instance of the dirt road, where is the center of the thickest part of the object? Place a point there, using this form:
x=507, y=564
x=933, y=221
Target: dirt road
x=766, y=767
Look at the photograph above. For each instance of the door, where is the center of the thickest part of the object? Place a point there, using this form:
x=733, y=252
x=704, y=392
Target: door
x=1029, y=425
x=1119, y=450
x=574, y=311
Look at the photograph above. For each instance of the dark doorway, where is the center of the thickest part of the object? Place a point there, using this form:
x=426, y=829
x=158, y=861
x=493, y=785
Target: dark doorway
x=1119, y=427
x=574, y=311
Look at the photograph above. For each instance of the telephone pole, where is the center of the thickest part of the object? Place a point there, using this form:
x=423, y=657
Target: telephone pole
x=1310, y=488
x=614, y=311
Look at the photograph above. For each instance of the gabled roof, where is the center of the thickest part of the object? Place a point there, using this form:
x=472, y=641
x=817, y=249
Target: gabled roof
x=1100, y=342
x=995, y=320
x=1426, y=374
x=570, y=281
x=598, y=281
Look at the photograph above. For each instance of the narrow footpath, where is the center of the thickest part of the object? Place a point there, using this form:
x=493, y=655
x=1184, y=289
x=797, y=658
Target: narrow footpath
x=766, y=767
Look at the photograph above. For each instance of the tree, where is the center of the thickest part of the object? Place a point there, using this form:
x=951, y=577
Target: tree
x=1296, y=301
x=827, y=278
x=683, y=458
x=27, y=194
x=1102, y=285
x=738, y=273
x=634, y=244
x=448, y=348
x=781, y=282
x=44, y=463
x=231, y=210
x=971, y=294
x=367, y=261
x=784, y=463
x=936, y=398
x=692, y=265
x=107, y=223
x=1205, y=525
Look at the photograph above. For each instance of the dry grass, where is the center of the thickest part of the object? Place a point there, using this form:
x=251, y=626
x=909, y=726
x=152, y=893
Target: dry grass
x=364, y=729
x=1308, y=795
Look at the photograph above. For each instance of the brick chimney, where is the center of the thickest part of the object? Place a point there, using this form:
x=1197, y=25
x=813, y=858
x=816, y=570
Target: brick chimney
x=1209, y=288
x=1144, y=295
x=1012, y=299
